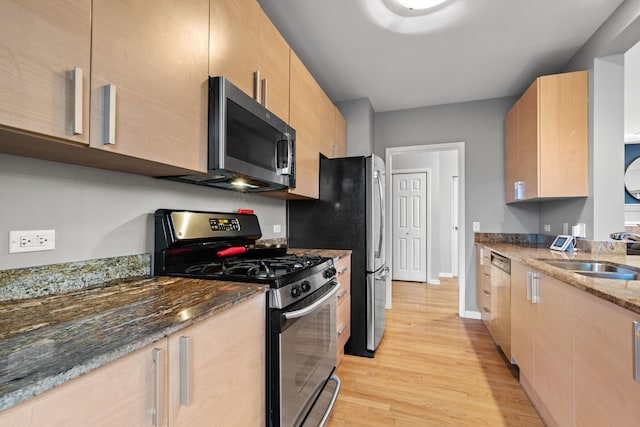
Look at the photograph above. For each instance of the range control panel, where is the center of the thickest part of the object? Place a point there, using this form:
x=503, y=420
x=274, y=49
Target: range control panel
x=224, y=224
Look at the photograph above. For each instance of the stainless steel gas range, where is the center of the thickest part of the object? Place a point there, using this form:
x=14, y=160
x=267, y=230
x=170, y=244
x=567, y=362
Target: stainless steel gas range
x=301, y=330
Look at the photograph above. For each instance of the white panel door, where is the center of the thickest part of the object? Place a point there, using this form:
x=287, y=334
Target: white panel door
x=410, y=227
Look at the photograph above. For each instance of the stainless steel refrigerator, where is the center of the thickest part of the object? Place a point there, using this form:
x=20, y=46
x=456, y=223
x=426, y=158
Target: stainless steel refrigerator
x=349, y=214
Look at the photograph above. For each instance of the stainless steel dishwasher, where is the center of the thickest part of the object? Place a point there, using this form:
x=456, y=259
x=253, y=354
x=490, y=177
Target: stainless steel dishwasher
x=501, y=288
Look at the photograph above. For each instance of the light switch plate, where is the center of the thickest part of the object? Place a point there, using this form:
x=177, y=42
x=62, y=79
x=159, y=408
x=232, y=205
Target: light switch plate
x=476, y=225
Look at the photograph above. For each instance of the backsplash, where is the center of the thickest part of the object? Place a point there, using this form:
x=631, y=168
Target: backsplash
x=543, y=240
x=38, y=281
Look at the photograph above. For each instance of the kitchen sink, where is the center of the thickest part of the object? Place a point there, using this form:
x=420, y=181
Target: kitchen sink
x=599, y=269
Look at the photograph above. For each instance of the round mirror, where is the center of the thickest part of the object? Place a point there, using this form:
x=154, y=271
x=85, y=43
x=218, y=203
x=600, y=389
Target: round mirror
x=632, y=179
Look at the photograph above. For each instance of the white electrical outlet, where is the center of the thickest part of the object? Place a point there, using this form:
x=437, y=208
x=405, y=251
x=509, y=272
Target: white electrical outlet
x=476, y=225
x=581, y=230
x=547, y=228
x=277, y=228
x=565, y=228
x=32, y=240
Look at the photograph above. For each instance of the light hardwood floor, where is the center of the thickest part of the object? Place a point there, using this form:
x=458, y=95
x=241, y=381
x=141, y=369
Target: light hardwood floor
x=432, y=369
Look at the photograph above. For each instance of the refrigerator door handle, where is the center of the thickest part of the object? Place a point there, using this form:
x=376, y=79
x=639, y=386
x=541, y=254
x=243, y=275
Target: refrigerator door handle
x=383, y=273
x=381, y=228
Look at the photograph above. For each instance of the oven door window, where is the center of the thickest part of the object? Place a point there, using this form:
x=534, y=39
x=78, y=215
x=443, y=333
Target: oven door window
x=308, y=356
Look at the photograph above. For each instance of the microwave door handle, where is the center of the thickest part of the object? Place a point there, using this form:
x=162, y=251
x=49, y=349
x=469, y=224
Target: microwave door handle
x=286, y=170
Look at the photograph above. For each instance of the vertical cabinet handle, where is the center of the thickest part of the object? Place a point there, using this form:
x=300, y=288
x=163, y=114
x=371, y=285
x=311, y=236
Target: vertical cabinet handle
x=158, y=413
x=263, y=85
x=256, y=85
x=636, y=351
x=185, y=371
x=110, y=114
x=77, y=100
x=518, y=190
x=535, y=288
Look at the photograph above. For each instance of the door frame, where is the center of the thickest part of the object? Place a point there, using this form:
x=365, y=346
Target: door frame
x=455, y=225
x=458, y=147
x=427, y=172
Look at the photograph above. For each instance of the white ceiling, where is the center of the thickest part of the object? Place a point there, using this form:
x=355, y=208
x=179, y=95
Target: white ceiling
x=467, y=50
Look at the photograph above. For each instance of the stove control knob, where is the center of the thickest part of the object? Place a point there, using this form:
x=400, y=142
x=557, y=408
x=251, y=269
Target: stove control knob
x=306, y=286
x=329, y=272
x=296, y=291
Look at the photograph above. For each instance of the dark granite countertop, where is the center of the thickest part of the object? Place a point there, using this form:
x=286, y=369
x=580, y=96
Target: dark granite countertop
x=50, y=339
x=331, y=253
x=625, y=293
x=60, y=321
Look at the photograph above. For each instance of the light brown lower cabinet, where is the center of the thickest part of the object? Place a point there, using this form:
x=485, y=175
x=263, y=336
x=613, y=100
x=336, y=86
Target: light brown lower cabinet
x=212, y=373
x=484, y=297
x=606, y=391
x=343, y=305
x=118, y=394
x=575, y=352
x=217, y=369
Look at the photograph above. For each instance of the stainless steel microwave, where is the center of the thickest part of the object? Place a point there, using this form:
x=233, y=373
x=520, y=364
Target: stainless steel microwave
x=250, y=149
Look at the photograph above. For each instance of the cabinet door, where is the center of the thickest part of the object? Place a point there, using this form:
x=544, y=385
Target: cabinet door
x=227, y=359
x=563, y=108
x=274, y=68
x=522, y=321
x=528, y=163
x=235, y=42
x=118, y=394
x=155, y=54
x=244, y=41
x=305, y=96
x=340, y=137
x=325, y=125
x=553, y=348
x=39, y=48
x=511, y=152
x=606, y=392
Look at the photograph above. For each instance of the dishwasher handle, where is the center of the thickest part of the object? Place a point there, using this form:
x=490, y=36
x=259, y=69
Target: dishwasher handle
x=502, y=262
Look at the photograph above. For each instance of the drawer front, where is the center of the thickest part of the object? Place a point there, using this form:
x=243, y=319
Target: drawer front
x=343, y=326
x=343, y=268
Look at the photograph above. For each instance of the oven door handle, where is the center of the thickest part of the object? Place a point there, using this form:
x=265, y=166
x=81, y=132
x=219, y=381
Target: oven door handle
x=304, y=311
x=325, y=418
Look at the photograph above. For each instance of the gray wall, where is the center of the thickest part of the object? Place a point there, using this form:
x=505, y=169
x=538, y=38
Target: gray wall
x=603, y=211
x=359, y=116
x=98, y=213
x=480, y=125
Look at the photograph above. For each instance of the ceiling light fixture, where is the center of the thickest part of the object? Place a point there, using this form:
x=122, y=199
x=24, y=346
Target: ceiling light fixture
x=420, y=4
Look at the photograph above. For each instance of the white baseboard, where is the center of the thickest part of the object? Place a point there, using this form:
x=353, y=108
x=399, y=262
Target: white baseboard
x=472, y=315
x=447, y=275
x=433, y=282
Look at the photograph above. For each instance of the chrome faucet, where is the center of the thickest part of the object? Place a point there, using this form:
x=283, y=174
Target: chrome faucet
x=625, y=235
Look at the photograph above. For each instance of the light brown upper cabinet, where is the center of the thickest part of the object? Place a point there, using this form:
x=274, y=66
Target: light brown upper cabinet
x=546, y=140
x=304, y=117
x=44, y=52
x=149, y=80
x=247, y=49
x=325, y=124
